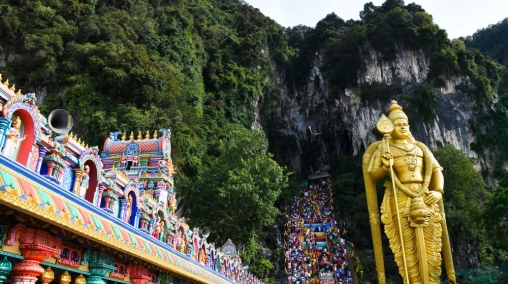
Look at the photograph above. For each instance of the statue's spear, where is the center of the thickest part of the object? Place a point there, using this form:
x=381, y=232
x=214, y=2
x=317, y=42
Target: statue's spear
x=385, y=127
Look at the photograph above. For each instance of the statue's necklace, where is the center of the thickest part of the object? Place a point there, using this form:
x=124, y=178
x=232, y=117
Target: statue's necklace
x=410, y=155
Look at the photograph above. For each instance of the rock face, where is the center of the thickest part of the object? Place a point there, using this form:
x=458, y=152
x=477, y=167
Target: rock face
x=320, y=126
x=408, y=66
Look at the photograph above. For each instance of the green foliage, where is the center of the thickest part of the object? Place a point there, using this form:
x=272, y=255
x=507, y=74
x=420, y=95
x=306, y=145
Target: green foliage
x=423, y=101
x=262, y=267
x=490, y=132
x=484, y=274
x=484, y=76
x=496, y=218
x=378, y=91
x=239, y=187
x=343, y=52
x=492, y=41
x=442, y=64
x=307, y=41
x=465, y=195
x=394, y=23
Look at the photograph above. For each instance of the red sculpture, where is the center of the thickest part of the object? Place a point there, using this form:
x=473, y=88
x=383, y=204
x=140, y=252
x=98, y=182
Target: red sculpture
x=35, y=246
x=138, y=274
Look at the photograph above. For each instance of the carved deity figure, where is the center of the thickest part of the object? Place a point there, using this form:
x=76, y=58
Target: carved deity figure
x=135, y=160
x=157, y=228
x=13, y=138
x=162, y=234
x=412, y=208
x=128, y=209
x=85, y=181
x=182, y=243
x=176, y=241
x=202, y=255
x=123, y=161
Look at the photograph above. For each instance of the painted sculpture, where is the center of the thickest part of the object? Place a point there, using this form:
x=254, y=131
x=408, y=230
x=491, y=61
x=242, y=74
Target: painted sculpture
x=13, y=138
x=412, y=209
x=85, y=181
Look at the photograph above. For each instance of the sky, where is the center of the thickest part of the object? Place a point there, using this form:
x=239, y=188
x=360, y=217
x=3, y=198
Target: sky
x=457, y=17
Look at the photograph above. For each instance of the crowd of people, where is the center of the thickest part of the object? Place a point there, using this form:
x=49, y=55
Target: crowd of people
x=314, y=251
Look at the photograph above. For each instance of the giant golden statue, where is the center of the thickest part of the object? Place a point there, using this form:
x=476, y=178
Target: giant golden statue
x=412, y=208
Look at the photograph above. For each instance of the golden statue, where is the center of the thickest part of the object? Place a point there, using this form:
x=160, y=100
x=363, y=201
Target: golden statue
x=412, y=209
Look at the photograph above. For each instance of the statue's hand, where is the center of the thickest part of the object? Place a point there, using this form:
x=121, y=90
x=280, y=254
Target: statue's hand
x=433, y=197
x=385, y=159
x=385, y=154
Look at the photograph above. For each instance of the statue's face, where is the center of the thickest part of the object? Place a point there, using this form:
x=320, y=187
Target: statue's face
x=401, y=129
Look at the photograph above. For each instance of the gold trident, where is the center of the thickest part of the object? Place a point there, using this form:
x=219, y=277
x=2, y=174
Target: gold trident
x=385, y=126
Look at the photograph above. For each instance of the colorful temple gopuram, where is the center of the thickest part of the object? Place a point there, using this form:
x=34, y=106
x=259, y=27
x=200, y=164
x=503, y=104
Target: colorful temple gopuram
x=72, y=214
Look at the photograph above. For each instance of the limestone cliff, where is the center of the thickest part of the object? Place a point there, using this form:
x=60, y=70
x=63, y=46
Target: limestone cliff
x=346, y=125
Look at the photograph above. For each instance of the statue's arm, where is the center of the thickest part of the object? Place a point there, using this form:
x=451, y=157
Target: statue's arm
x=376, y=168
x=437, y=180
x=11, y=134
x=436, y=185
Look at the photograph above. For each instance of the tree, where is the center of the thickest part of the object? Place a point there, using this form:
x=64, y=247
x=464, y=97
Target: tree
x=492, y=41
x=464, y=194
x=235, y=196
x=496, y=217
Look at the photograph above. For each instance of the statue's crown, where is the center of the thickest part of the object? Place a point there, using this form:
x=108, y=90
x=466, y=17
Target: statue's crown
x=395, y=112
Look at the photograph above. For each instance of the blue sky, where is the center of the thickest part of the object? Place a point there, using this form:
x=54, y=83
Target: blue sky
x=457, y=17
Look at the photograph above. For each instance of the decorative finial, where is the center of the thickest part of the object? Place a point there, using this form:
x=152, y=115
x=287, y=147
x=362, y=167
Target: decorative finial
x=123, y=136
x=71, y=135
x=394, y=106
x=13, y=88
x=79, y=141
x=155, y=134
x=65, y=278
x=19, y=92
x=147, y=135
x=0, y=77
x=131, y=137
x=80, y=279
x=47, y=276
x=6, y=83
x=139, y=135
x=86, y=146
x=5, y=268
